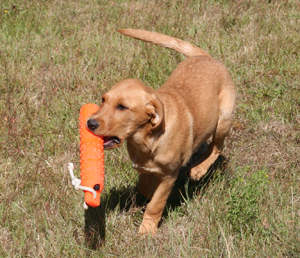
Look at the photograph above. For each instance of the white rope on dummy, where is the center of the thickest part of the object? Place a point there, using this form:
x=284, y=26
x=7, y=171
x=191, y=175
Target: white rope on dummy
x=77, y=184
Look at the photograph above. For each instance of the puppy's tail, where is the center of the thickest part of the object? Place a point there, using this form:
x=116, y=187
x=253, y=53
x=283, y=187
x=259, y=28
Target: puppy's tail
x=165, y=41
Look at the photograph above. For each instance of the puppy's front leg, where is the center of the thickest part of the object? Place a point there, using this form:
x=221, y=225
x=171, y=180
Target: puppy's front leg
x=157, y=204
x=148, y=183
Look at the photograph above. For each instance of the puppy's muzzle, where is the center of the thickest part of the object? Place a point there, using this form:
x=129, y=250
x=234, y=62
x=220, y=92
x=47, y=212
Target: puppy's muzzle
x=92, y=124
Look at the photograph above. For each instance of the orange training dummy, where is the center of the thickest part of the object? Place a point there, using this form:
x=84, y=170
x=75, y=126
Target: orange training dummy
x=91, y=158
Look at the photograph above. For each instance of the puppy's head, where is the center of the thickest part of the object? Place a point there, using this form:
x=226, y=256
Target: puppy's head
x=129, y=107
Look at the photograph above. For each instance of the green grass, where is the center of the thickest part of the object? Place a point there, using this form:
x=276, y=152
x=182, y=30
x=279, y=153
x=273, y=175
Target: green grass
x=56, y=56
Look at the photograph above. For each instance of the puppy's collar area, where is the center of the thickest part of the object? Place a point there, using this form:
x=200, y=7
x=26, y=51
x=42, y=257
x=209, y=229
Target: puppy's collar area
x=152, y=170
x=77, y=184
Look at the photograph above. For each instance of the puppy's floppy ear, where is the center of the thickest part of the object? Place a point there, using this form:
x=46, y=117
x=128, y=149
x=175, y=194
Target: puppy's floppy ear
x=155, y=109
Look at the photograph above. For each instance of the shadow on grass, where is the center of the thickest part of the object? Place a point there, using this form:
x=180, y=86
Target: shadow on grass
x=94, y=230
x=129, y=197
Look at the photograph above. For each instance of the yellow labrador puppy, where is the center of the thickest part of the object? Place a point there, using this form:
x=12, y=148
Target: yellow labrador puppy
x=164, y=127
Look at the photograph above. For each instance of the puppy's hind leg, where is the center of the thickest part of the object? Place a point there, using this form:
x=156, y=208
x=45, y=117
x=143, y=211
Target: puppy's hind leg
x=200, y=167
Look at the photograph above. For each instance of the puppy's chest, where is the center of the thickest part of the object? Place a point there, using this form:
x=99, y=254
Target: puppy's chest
x=145, y=164
x=155, y=165
x=145, y=168
x=146, y=161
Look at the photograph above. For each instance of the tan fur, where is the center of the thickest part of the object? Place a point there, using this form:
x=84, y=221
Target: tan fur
x=165, y=127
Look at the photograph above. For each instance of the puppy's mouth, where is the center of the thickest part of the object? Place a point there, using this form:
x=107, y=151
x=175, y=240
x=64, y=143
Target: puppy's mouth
x=111, y=142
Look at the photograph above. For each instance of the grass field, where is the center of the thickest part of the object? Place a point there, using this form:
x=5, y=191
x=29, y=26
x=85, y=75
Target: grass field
x=57, y=55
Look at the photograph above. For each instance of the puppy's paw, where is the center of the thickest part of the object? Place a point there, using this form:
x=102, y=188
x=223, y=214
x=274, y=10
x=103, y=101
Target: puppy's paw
x=148, y=226
x=197, y=172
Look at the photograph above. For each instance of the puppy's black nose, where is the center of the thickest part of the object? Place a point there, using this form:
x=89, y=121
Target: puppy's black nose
x=92, y=124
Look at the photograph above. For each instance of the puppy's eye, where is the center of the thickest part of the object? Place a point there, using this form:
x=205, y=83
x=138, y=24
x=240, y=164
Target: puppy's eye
x=121, y=107
x=103, y=100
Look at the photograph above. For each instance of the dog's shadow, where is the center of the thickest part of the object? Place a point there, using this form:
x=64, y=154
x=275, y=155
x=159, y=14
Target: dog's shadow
x=125, y=198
